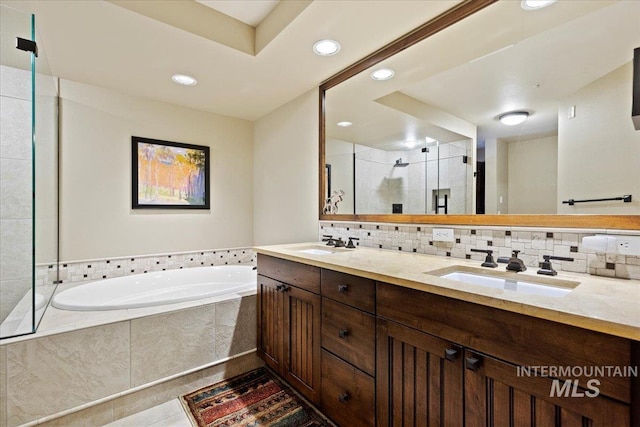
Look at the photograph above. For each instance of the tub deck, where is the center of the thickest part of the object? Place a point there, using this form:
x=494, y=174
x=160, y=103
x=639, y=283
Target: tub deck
x=85, y=361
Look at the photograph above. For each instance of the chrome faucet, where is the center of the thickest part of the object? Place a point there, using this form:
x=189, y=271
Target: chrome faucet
x=515, y=263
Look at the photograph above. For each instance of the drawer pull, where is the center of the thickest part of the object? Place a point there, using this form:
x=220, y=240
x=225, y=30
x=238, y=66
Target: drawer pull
x=343, y=289
x=343, y=397
x=342, y=333
x=473, y=363
x=451, y=354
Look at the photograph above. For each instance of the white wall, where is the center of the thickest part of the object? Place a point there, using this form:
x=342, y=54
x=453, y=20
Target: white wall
x=96, y=219
x=285, y=173
x=599, y=150
x=496, y=176
x=533, y=176
x=339, y=154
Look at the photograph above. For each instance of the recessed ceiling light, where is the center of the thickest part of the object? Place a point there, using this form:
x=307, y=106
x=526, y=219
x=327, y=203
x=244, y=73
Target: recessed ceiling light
x=536, y=4
x=382, y=74
x=183, y=79
x=513, y=118
x=326, y=47
x=344, y=124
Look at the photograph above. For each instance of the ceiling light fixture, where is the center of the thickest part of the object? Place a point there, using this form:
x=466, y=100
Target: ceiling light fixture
x=382, y=74
x=183, y=79
x=344, y=124
x=411, y=143
x=513, y=118
x=326, y=47
x=536, y=4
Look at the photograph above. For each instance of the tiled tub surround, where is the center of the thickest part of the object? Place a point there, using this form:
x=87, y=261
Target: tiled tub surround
x=106, y=268
x=532, y=243
x=18, y=320
x=102, y=366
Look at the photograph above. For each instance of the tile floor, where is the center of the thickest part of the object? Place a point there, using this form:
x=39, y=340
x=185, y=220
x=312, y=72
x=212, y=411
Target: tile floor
x=169, y=414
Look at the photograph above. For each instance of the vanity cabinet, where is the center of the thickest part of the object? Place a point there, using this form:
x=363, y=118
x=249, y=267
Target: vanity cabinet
x=348, y=349
x=371, y=353
x=419, y=378
x=456, y=363
x=288, y=314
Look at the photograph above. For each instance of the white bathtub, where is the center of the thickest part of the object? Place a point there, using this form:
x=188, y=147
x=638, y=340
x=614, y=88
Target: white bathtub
x=157, y=288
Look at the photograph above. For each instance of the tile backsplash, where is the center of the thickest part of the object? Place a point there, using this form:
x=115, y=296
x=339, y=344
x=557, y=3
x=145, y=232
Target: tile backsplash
x=532, y=243
x=106, y=268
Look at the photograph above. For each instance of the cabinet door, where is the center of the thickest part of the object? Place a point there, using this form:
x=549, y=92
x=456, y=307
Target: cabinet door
x=302, y=341
x=495, y=395
x=270, y=322
x=418, y=378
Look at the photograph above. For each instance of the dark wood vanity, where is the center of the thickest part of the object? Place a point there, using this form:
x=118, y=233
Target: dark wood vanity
x=372, y=353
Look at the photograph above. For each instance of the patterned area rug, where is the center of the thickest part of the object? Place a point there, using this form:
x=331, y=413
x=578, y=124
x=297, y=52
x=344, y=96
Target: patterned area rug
x=253, y=399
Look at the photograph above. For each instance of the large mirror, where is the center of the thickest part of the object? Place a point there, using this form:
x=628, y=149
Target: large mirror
x=430, y=140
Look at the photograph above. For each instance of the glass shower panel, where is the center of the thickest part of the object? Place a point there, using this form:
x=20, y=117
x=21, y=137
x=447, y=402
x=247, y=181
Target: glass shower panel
x=452, y=194
x=28, y=178
x=45, y=179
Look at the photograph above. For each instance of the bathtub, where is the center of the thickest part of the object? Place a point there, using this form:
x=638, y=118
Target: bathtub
x=158, y=288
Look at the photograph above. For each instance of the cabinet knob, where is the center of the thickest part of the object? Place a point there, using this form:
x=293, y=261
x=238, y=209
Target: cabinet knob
x=451, y=354
x=473, y=363
x=343, y=289
x=343, y=397
x=342, y=333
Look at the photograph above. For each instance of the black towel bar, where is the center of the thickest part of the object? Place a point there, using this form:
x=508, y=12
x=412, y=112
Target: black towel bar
x=626, y=198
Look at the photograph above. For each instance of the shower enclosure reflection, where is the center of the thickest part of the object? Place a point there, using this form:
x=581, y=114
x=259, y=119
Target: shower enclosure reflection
x=28, y=178
x=429, y=177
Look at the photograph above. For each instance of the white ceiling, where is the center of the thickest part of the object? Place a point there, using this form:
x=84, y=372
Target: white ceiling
x=106, y=43
x=524, y=60
x=250, y=12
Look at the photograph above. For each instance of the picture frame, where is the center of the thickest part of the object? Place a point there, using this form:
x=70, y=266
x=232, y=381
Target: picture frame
x=169, y=175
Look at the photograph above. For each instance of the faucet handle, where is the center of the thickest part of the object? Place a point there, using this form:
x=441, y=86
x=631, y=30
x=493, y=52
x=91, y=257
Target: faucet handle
x=488, y=261
x=545, y=266
x=350, y=245
x=514, y=253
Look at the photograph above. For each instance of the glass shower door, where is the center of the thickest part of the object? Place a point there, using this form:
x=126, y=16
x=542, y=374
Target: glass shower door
x=28, y=178
x=450, y=177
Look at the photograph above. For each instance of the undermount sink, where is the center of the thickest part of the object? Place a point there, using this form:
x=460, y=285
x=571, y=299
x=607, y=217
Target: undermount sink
x=508, y=281
x=319, y=250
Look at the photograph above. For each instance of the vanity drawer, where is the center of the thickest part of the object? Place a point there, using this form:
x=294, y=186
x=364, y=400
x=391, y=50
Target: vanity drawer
x=350, y=334
x=355, y=291
x=292, y=273
x=348, y=395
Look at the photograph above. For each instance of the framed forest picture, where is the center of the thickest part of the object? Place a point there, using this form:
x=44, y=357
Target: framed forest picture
x=169, y=175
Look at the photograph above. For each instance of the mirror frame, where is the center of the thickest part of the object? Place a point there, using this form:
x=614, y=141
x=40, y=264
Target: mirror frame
x=439, y=23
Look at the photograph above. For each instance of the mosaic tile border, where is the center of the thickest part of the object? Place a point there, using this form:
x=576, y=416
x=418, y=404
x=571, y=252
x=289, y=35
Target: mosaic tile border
x=532, y=243
x=80, y=271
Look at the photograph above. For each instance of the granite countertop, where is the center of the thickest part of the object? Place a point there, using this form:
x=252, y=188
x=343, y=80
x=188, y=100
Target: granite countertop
x=607, y=305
